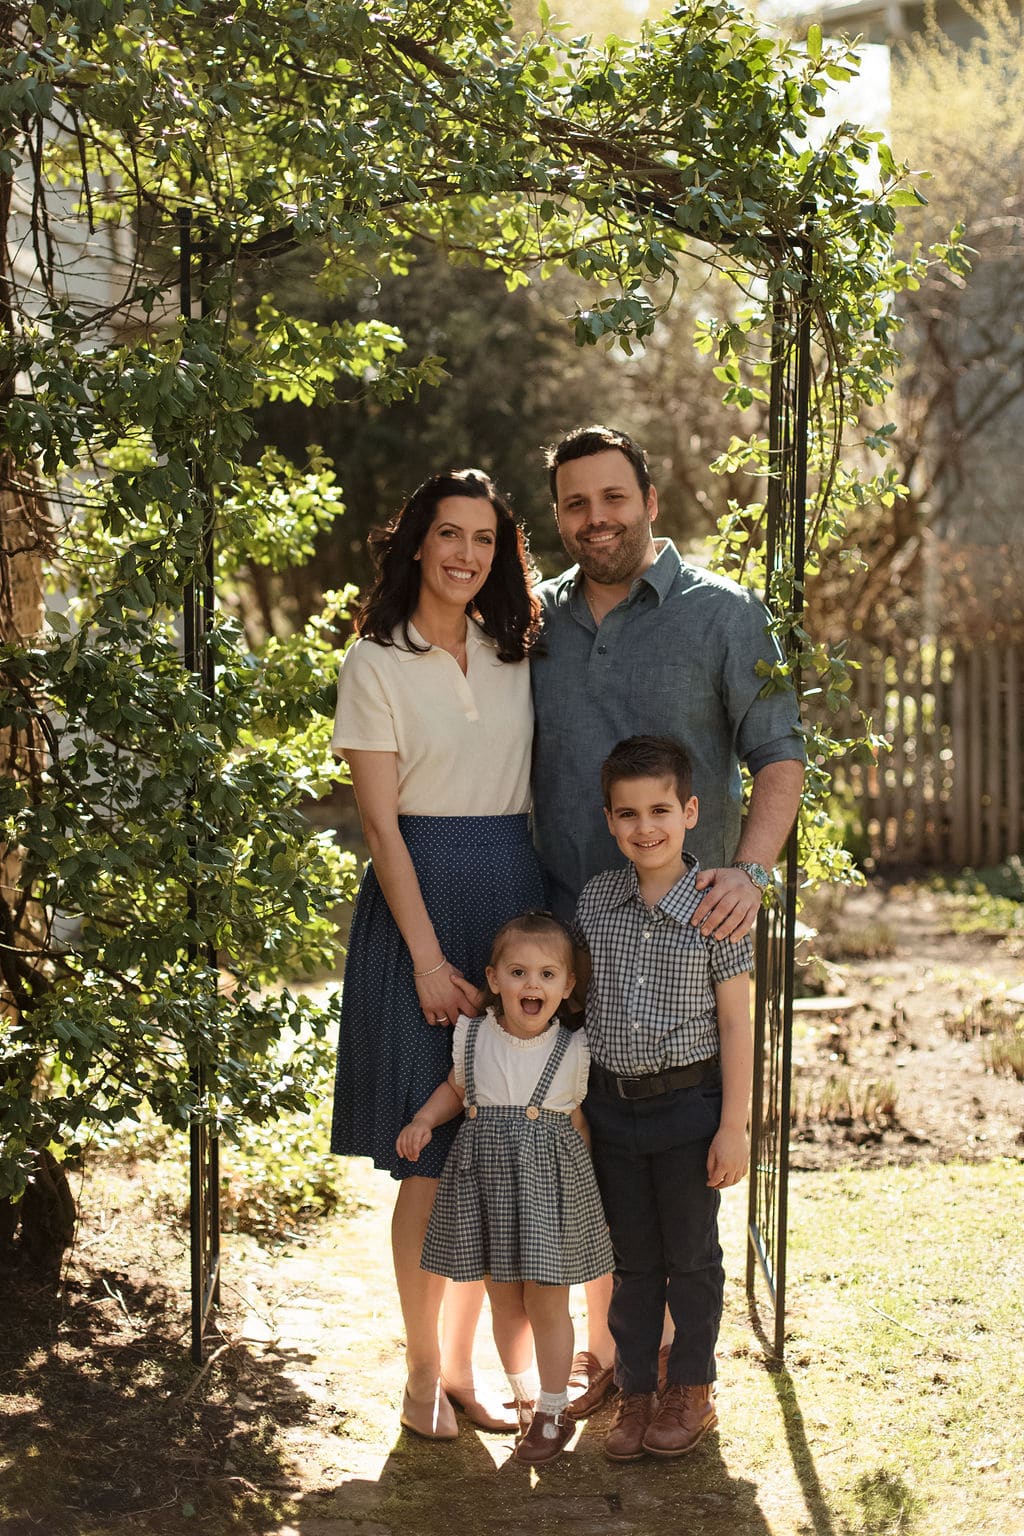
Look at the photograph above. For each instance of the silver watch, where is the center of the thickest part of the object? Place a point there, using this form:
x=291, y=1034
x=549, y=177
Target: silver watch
x=757, y=872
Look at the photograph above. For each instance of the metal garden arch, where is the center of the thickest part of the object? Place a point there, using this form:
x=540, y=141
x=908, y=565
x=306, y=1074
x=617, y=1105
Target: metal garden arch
x=775, y=940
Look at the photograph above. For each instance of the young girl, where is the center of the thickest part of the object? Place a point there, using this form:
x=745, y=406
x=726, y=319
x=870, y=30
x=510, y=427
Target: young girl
x=517, y=1203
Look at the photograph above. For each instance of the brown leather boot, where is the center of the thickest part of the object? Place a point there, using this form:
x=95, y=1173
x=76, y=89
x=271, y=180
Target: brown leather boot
x=684, y=1417
x=633, y=1413
x=589, y=1385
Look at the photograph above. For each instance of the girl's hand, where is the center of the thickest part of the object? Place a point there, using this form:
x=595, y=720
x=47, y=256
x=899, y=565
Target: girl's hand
x=728, y=1157
x=445, y=994
x=412, y=1139
x=473, y=997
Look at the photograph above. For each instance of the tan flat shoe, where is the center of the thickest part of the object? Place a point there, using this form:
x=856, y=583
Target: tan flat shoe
x=485, y=1412
x=433, y=1420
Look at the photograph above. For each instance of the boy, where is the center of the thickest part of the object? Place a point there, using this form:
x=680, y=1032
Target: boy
x=668, y=1023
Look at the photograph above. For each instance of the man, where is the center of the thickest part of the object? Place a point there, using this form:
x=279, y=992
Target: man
x=638, y=642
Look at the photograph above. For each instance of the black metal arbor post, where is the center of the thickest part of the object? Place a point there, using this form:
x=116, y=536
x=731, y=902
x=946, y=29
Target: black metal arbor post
x=789, y=398
x=197, y=617
x=775, y=943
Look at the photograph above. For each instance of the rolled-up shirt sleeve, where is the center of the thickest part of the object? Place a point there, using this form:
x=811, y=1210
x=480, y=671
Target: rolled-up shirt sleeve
x=767, y=726
x=726, y=959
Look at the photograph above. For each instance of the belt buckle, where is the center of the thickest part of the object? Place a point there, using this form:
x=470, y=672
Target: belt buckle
x=646, y=1087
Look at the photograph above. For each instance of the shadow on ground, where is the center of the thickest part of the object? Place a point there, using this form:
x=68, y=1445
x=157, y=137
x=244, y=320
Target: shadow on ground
x=107, y=1426
x=433, y=1489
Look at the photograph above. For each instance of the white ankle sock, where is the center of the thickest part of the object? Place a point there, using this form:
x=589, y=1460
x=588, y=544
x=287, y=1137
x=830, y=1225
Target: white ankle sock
x=552, y=1402
x=524, y=1386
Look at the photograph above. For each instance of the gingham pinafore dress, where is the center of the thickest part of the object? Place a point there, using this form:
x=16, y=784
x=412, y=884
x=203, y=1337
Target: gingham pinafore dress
x=518, y=1199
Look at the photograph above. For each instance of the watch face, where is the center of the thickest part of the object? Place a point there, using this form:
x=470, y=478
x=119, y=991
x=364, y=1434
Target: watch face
x=758, y=874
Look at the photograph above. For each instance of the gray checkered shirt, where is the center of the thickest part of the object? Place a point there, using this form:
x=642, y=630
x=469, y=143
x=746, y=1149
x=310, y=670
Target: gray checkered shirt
x=651, y=999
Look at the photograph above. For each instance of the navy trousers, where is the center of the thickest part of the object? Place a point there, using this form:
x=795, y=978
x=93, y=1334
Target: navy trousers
x=650, y=1156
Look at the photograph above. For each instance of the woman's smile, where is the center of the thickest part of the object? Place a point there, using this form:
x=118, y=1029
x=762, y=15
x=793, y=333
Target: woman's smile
x=457, y=552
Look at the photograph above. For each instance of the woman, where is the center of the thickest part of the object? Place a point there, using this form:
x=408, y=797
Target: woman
x=435, y=720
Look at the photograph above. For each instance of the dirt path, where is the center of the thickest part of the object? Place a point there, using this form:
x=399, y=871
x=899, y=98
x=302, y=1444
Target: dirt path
x=291, y=1429
x=324, y=1319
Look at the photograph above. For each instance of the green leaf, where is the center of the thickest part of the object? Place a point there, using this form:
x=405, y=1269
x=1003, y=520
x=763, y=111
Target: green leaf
x=814, y=42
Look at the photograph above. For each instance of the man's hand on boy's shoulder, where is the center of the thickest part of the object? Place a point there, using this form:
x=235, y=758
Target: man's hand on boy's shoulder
x=730, y=905
x=728, y=1157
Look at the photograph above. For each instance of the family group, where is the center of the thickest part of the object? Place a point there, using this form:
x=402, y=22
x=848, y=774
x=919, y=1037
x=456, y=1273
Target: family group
x=545, y=1032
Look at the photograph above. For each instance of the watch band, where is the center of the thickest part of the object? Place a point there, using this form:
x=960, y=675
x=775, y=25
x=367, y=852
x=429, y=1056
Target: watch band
x=757, y=873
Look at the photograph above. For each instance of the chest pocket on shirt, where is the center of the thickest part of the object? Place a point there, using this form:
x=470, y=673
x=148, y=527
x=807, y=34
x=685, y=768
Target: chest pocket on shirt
x=681, y=959
x=658, y=683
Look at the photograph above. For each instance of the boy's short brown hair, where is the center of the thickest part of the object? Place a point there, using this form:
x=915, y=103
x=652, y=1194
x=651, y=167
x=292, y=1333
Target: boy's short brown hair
x=648, y=757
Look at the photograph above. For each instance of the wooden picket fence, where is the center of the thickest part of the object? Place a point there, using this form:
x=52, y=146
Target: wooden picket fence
x=948, y=791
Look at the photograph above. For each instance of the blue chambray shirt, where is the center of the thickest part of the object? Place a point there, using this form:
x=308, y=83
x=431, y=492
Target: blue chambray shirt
x=677, y=657
x=651, y=998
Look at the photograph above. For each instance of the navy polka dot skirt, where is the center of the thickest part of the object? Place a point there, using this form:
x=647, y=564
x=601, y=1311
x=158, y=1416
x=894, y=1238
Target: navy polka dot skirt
x=475, y=872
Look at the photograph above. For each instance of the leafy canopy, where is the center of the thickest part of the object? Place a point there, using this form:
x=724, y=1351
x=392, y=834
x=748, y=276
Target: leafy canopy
x=167, y=877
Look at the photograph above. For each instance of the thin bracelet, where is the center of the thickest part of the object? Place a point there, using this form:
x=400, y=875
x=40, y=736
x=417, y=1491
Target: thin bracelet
x=440, y=965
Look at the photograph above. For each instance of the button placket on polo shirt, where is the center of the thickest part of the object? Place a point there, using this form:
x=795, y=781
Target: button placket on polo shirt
x=606, y=638
x=465, y=692
x=440, y=657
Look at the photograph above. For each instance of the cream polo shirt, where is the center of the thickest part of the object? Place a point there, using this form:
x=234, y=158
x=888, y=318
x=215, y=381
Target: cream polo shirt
x=463, y=742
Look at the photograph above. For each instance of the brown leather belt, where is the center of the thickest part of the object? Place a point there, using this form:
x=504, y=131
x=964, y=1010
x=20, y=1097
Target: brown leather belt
x=654, y=1083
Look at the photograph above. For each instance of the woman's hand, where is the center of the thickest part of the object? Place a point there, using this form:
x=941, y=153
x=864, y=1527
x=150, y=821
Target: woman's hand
x=445, y=994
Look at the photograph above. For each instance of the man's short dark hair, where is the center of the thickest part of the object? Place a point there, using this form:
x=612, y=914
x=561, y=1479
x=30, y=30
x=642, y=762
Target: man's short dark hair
x=648, y=757
x=582, y=442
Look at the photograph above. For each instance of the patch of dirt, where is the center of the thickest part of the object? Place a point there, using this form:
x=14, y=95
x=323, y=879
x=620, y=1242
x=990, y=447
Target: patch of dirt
x=891, y=1066
x=105, y=1425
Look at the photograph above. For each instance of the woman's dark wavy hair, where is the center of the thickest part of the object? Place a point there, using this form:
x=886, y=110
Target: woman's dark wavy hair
x=505, y=606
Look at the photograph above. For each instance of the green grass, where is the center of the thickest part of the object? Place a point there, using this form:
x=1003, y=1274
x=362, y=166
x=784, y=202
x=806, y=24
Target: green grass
x=903, y=1396
x=986, y=900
